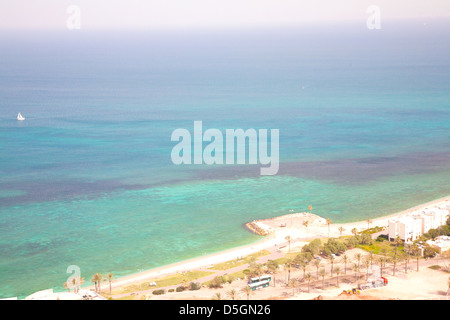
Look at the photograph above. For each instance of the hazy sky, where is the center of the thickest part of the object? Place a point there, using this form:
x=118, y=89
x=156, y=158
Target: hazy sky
x=160, y=14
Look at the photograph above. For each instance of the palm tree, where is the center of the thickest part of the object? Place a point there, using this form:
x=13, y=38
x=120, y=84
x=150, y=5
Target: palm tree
x=304, y=266
x=308, y=278
x=398, y=241
x=323, y=273
x=255, y=269
x=356, y=269
x=395, y=259
x=232, y=294
x=407, y=257
x=217, y=296
x=371, y=258
x=289, y=263
x=341, y=229
x=306, y=224
x=345, y=259
x=299, y=282
x=74, y=283
x=66, y=286
x=381, y=261
x=273, y=267
x=259, y=269
x=416, y=252
x=317, y=265
x=96, y=279
x=368, y=223
x=355, y=231
x=332, y=258
x=328, y=223
x=288, y=239
x=358, y=257
x=383, y=252
x=291, y=283
x=109, y=277
x=337, y=270
x=100, y=279
x=366, y=264
x=247, y=291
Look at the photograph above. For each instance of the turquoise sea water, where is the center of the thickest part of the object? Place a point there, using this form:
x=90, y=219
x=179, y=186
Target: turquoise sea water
x=87, y=178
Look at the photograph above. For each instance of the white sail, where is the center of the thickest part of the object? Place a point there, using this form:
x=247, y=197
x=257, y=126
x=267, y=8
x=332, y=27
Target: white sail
x=19, y=117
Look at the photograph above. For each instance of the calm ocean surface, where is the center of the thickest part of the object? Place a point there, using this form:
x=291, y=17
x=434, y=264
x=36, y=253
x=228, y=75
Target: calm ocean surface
x=87, y=178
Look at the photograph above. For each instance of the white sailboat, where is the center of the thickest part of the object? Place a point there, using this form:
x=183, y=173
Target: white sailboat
x=19, y=117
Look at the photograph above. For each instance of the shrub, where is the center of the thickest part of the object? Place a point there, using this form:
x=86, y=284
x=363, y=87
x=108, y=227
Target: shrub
x=432, y=233
x=351, y=242
x=246, y=272
x=365, y=239
x=445, y=230
x=195, y=286
x=435, y=267
x=326, y=252
x=229, y=279
x=429, y=252
x=331, y=246
x=159, y=292
x=304, y=256
x=341, y=246
x=180, y=289
x=313, y=247
x=217, y=282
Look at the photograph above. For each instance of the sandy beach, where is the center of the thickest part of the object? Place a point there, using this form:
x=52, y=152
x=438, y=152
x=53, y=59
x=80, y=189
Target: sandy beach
x=278, y=229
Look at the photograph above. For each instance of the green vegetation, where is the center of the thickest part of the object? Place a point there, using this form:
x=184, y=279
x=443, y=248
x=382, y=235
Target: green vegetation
x=216, y=282
x=381, y=252
x=336, y=246
x=372, y=230
x=380, y=247
x=175, y=279
x=441, y=231
x=237, y=274
x=195, y=286
x=435, y=267
x=235, y=263
x=159, y=292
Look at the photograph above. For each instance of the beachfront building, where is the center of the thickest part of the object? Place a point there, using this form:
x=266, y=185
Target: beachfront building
x=406, y=228
x=442, y=243
x=409, y=228
x=412, y=226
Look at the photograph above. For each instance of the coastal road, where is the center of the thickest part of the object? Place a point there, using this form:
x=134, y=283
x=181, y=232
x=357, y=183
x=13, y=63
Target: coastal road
x=275, y=253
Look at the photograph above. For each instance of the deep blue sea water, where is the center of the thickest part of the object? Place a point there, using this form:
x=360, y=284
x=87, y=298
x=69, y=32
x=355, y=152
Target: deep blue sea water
x=87, y=178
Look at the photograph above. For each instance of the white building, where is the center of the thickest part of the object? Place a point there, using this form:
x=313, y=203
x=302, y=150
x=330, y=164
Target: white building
x=392, y=229
x=442, y=243
x=412, y=226
x=409, y=228
x=426, y=223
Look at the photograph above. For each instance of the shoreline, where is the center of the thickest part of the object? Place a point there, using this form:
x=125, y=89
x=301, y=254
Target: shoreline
x=275, y=238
